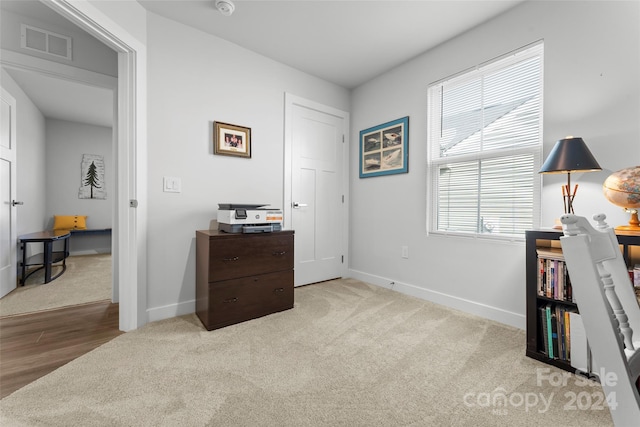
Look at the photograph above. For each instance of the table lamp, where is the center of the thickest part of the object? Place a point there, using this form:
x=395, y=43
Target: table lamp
x=622, y=188
x=570, y=155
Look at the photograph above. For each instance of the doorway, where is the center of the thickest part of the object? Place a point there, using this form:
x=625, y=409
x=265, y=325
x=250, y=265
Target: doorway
x=71, y=111
x=129, y=225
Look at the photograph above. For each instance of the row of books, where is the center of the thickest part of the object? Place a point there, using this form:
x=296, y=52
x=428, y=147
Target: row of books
x=555, y=330
x=564, y=337
x=553, y=277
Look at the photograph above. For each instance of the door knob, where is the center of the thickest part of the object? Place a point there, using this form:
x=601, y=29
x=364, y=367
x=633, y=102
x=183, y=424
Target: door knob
x=299, y=205
x=16, y=203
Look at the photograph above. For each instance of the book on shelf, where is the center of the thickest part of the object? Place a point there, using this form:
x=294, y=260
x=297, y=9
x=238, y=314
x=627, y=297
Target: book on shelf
x=544, y=329
x=555, y=326
x=550, y=253
x=550, y=354
x=552, y=275
x=554, y=334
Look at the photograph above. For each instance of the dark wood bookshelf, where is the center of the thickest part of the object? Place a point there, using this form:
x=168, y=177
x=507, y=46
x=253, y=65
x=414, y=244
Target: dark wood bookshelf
x=550, y=238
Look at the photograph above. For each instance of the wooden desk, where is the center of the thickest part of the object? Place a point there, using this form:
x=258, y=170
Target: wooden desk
x=48, y=256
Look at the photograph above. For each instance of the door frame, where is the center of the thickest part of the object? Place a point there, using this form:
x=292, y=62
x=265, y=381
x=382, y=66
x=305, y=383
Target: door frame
x=290, y=101
x=130, y=225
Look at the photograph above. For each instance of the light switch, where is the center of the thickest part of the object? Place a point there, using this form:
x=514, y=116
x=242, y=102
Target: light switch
x=172, y=184
x=405, y=252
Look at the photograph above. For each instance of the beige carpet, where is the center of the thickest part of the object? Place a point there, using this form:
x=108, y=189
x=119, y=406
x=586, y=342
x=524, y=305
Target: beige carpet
x=347, y=354
x=87, y=279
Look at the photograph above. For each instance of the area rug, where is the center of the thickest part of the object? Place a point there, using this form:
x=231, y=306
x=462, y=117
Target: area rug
x=87, y=279
x=347, y=354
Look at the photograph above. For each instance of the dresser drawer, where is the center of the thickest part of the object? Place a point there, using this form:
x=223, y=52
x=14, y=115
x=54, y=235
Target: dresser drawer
x=234, y=258
x=237, y=300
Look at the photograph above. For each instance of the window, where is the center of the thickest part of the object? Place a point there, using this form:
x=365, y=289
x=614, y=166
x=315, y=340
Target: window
x=485, y=146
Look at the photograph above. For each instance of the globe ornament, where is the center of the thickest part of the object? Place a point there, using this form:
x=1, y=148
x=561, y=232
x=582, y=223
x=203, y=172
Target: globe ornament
x=622, y=188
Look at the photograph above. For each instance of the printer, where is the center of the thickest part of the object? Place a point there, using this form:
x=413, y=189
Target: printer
x=248, y=218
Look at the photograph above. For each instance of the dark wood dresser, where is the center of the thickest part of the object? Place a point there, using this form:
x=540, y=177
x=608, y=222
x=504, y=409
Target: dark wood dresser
x=242, y=276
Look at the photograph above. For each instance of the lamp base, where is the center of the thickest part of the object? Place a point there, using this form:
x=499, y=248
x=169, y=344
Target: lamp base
x=633, y=229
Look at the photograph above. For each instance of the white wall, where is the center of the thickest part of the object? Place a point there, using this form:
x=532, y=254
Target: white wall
x=195, y=79
x=592, y=64
x=66, y=143
x=30, y=159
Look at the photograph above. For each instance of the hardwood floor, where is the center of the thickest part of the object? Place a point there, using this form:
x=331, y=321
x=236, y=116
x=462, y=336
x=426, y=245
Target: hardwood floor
x=33, y=345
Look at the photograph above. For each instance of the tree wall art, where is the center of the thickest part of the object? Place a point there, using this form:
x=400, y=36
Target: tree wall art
x=92, y=185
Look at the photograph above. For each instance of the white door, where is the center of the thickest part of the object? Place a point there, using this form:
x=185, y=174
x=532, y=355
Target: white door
x=8, y=240
x=316, y=135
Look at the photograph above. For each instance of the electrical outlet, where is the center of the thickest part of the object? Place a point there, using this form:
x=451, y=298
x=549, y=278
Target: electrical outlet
x=405, y=252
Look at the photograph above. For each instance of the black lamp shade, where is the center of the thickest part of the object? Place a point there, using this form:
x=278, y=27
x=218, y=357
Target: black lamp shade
x=570, y=155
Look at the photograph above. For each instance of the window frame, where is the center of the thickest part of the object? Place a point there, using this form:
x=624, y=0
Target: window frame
x=434, y=161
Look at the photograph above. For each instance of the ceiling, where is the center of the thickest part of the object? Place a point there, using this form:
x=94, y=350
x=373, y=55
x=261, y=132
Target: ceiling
x=344, y=42
x=66, y=100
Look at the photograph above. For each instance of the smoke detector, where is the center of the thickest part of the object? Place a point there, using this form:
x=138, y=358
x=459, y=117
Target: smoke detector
x=225, y=7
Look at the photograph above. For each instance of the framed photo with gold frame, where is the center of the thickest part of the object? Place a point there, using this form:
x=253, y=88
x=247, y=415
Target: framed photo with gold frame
x=231, y=140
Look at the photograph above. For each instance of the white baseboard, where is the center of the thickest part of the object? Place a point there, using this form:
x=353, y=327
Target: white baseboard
x=171, y=310
x=499, y=315
x=493, y=313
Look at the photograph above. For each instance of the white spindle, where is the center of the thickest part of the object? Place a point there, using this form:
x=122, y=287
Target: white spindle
x=621, y=317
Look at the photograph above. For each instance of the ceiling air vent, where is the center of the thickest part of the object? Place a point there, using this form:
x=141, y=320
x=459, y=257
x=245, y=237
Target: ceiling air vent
x=44, y=41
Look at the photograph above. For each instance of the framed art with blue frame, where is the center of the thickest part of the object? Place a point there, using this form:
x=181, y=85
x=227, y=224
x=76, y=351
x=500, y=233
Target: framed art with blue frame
x=384, y=149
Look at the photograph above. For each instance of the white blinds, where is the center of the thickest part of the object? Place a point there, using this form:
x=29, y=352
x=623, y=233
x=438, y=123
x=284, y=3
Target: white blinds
x=485, y=141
